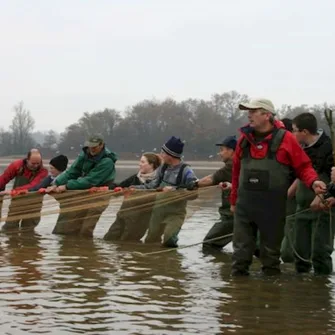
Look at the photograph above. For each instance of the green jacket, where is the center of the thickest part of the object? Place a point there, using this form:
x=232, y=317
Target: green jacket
x=88, y=171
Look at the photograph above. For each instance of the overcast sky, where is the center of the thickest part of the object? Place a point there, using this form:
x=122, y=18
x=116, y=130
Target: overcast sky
x=65, y=57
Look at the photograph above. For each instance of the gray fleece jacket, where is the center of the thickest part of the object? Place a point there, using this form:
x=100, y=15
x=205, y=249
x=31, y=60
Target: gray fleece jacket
x=170, y=177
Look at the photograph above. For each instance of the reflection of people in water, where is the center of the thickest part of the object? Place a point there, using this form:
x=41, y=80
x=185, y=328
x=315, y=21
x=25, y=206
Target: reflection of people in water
x=156, y=287
x=81, y=279
x=23, y=252
x=292, y=306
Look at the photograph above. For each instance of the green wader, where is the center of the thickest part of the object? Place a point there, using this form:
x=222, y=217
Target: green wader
x=22, y=205
x=286, y=251
x=314, y=234
x=81, y=222
x=167, y=218
x=132, y=220
x=223, y=227
x=260, y=206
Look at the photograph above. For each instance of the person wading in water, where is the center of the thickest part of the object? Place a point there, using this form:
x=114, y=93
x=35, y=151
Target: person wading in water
x=264, y=156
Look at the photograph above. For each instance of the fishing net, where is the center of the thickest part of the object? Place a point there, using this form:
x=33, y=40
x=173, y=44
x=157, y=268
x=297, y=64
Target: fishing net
x=131, y=210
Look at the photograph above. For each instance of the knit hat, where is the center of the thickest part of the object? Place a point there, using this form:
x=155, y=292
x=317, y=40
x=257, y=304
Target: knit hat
x=173, y=147
x=229, y=142
x=59, y=162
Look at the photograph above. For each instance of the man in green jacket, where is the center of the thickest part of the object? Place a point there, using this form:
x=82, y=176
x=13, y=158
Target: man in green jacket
x=95, y=166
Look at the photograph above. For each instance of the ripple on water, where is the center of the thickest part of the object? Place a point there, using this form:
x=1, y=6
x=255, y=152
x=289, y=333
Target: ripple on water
x=55, y=285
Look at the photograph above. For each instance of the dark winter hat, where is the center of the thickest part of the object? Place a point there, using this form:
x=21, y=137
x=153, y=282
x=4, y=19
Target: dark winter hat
x=173, y=147
x=229, y=142
x=59, y=162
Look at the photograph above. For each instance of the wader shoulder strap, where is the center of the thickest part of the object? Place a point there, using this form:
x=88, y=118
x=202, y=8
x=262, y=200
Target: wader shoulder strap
x=21, y=169
x=277, y=139
x=20, y=172
x=164, y=167
x=180, y=173
x=245, y=147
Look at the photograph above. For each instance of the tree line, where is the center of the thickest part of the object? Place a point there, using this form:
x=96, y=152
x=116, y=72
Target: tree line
x=145, y=127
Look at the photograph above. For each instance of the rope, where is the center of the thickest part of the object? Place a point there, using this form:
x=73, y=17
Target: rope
x=182, y=247
x=229, y=235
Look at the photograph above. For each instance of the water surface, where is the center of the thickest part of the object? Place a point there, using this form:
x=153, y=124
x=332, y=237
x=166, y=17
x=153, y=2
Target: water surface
x=65, y=285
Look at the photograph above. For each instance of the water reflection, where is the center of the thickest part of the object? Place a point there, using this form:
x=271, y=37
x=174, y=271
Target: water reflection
x=66, y=285
x=22, y=284
x=149, y=292
x=290, y=304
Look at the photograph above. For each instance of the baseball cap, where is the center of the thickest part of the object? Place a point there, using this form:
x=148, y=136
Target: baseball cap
x=94, y=140
x=229, y=142
x=258, y=103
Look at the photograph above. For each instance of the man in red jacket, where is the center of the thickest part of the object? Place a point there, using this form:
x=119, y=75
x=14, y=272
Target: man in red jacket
x=26, y=173
x=266, y=154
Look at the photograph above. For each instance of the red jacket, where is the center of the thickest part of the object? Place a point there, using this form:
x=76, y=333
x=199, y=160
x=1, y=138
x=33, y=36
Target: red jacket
x=289, y=153
x=13, y=170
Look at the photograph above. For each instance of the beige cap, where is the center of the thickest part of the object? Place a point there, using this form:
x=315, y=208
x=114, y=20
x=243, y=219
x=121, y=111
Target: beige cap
x=258, y=103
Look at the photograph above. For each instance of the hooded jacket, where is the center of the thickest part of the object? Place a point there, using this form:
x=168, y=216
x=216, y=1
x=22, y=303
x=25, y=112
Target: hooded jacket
x=88, y=171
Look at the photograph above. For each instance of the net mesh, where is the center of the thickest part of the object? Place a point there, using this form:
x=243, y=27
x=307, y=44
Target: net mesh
x=128, y=205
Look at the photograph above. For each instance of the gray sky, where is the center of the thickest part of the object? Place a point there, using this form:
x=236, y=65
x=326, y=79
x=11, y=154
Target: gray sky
x=65, y=57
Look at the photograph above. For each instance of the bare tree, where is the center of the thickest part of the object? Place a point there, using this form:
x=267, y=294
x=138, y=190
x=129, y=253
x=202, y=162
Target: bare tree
x=22, y=126
x=6, y=142
x=50, y=140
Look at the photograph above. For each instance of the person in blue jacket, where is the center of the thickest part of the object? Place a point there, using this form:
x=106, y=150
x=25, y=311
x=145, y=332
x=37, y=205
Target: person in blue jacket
x=57, y=166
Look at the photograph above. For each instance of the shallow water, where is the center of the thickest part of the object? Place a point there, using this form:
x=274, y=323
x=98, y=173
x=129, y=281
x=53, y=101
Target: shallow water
x=56, y=285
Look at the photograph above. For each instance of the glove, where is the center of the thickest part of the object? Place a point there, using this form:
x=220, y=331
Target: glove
x=93, y=189
x=14, y=193
x=193, y=185
x=98, y=189
x=42, y=191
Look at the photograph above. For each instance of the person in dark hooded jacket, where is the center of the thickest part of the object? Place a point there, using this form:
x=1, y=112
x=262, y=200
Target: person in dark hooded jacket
x=313, y=228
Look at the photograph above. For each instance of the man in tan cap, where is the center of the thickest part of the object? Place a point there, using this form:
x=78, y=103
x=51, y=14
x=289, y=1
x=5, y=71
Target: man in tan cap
x=264, y=158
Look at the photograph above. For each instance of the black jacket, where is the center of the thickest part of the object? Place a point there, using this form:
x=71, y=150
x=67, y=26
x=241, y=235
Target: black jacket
x=132, y=180
x=321, y=155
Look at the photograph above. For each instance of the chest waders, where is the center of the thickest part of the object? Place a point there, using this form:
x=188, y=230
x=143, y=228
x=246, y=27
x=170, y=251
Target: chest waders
x=81, y=222
x=314, y=234
x=168, y=214
x=220, y=228
x=132, y=219
x=20, y=206
x=260, y=206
